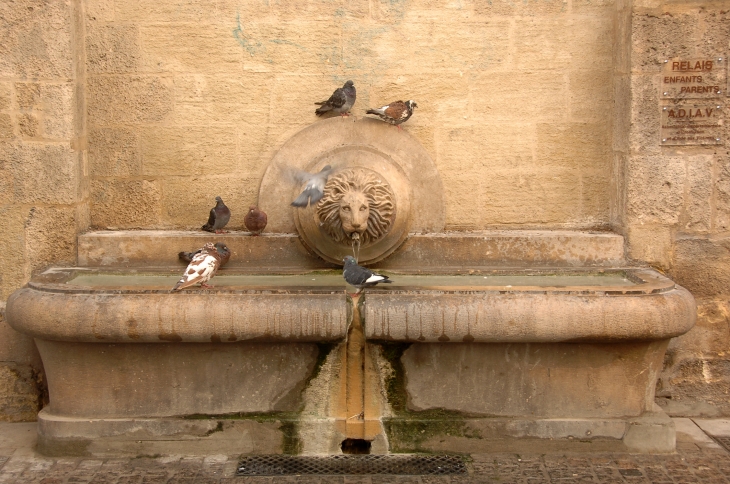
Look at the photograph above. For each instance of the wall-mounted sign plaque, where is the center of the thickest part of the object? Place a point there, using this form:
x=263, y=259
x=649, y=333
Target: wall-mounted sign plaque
x=692, y=124
x=693, y=78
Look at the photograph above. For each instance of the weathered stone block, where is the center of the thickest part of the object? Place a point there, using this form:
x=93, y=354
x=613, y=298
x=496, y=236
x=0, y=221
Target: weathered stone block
x=702, y=264
x=494, y=94
x=59, y=108
x=711, y=334
x=185, y=47
x=722, y=198
x=202, y=99
x=185, y=11
x=37, y=40
x=651, y=243
x=112, y=49
x=484, y=147
x=125, y=204
x=186, y=208
x=655, y=38
x=645, y=135
x=43, y=173
x=28, y=95
x=583, y=146
x=19, y=392
x=697, y=215
x=545, y=196
x=528, y=8
x=128, y=99
x=6, y=95
x=188, y=151
x=15, y=346
x=101, y=10
x=28, y=125
x=114, y=152
x=591, y=96
x=655, y=192
x=50, y=234
x=6, y=127
x=14, y=266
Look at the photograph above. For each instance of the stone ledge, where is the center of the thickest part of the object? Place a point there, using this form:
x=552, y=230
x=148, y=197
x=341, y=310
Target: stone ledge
x=276, y=252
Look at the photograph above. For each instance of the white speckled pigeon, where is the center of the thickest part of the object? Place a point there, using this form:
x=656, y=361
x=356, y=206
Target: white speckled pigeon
x=395, y=113
x=219, y=217
x=341, y=101
x=314, y=190
x=201, y=269
x=359, y=276
x=223, y=251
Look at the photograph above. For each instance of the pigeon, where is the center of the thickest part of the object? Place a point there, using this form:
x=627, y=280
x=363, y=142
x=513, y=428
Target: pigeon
x=359, y=276
x=314, y=190
x=201, y=269
x=395, y=113
x=255, y=220
x=341, y=101
x=219, y=217
x=223, y=252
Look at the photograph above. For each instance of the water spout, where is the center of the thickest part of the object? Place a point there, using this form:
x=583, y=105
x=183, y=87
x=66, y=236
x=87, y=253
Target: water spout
x=356, y=245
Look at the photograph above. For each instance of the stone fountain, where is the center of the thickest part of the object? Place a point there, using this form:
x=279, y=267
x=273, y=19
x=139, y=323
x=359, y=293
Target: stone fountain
x=502, y=340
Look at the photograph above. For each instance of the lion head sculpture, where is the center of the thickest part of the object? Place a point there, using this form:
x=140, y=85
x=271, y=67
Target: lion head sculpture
x=356, y=201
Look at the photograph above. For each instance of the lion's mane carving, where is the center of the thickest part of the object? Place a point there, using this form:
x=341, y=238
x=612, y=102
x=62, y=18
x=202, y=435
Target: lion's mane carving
x=368, y=188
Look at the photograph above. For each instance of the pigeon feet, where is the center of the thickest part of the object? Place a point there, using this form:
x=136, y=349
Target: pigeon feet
x=206, y=286
x=221, y=231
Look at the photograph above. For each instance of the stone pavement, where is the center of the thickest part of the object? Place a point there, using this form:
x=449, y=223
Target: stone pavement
x=699, y=459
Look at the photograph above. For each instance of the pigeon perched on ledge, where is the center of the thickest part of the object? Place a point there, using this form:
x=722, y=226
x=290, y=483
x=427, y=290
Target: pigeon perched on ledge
x=396, y=112
x=341, y=101
x=223, y=251
x=360, y=277
x=314, y=190
x=255, y=220
x=219, y=217
x=201, y=269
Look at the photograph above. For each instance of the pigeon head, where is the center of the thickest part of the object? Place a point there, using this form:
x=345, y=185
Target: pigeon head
x=218, y=199
x=348, y=84
x=252, y=208
x=220, y=247
x=326, y=168
x=349, y=260
x=411, y=104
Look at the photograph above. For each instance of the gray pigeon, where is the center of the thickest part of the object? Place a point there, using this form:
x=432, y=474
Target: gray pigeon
x=219, y=217
x=341, y=101
x=314, y=190
x=223, y=251
x=360, y=277
x=396, y=112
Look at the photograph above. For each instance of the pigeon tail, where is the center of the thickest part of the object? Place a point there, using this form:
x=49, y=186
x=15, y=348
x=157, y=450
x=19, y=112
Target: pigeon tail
x=374, y=111
x=309, y=196
x=208, y=228
x=322, y=109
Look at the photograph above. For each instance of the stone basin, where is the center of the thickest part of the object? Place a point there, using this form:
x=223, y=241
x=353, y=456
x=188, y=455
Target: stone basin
x=490, y=359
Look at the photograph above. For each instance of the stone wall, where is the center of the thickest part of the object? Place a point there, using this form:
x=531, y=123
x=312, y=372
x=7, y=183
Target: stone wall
x=189, y=100
x=677, y=213
x=538, y=114
x=43, y=194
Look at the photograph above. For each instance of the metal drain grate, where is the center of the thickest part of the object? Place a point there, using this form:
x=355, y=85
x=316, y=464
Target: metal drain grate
x=338, y=465
x=724, y=441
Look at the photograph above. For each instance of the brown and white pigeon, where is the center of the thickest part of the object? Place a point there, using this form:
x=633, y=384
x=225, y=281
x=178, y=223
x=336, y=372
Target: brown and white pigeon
x=341, y=101
x=223, y=251
x=255, y=220
x=201, y=269
x=219, y=217
x=396, y=112
x=314, y=190
x=359, y=276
